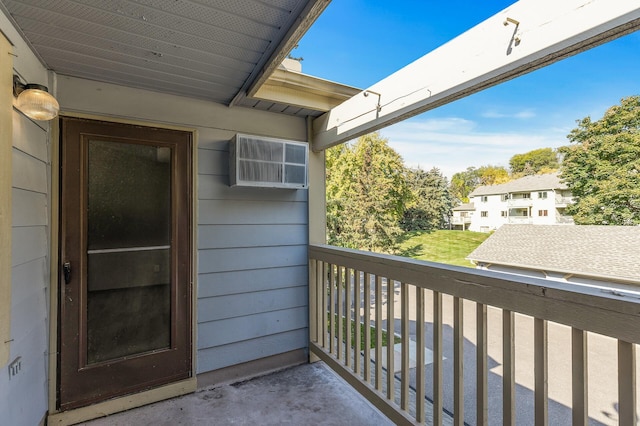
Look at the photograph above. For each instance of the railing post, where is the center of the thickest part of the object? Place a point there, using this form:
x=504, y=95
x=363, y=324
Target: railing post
x=357, y=364
x=508, y=369
x=437, y=358
x=579, y=369
x=324, y=298
x=313, y=306
x=390, y=340
x=541, y=372
x=627, y=383
x=367, y=327
x=481, y=365
x=378, y=346
x=404, y=324
x=340, y=313
x=348, y=309
x=420, y=373
x=458, y=362
x=332, y=308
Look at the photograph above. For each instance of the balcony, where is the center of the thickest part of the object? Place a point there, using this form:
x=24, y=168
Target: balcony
x=474, y=346
x=457, y=220
x=564, y=219
x=520, y=219
x=563, y=201
x=519, y=202
x=302, y=395
x=462, y=222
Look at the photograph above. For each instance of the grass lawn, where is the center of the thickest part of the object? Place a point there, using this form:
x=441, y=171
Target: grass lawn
x=372, y=332
x=450, y=247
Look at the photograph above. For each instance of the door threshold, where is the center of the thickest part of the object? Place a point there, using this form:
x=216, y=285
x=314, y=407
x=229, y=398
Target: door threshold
x=127, y=402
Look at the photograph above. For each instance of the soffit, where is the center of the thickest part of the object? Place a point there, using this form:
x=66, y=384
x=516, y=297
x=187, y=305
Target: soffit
x=206, y=49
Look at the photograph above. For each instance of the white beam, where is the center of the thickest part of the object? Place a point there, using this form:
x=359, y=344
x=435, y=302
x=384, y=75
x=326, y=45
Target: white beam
x=527, y=35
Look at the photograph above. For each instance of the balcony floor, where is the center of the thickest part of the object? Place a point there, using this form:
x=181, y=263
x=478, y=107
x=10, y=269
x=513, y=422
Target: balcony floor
x=309, y=394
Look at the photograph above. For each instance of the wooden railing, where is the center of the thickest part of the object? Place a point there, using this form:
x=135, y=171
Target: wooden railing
x=459, y=220
x=356, y=298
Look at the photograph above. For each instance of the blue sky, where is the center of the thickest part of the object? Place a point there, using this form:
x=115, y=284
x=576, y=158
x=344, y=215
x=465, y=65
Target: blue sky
x=358, y=42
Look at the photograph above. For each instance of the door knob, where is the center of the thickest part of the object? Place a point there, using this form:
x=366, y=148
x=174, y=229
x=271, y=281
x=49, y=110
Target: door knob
x=66, y=269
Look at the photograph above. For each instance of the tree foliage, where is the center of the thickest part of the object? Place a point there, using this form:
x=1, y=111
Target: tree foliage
x=463, y=183
x=430, y=205
x=602, y=167
x=492, y=175
x=366, y=195
x=538, y=161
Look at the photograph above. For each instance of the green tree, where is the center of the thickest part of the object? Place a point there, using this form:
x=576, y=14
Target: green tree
x=430, y=204
x=538, y=161
x=366, y=195
x=492, y=175
x=463, y=183
x=602, y=167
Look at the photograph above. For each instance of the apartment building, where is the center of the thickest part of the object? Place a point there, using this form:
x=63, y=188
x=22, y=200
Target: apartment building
x=537, y=199
x=462, y=216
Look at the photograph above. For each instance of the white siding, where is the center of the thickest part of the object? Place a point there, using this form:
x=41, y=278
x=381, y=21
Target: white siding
x=24, y=396
x=493, y=205
x=252, y=242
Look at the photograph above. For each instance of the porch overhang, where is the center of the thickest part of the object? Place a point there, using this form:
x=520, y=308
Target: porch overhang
x=218, y=52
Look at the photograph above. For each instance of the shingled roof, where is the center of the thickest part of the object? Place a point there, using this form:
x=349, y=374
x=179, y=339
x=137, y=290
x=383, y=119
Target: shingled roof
x=601, y=252
x=528, y=183
x=464, y=207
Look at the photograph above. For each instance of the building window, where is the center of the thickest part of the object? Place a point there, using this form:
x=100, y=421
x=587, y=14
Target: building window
x=542, y=195
x=526, y=195
x=504, y=213
x=505, y=197
x=484, y=214
x=484, y=198
x=543, y=212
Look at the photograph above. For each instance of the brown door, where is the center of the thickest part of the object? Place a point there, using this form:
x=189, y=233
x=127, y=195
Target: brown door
x=125, y=248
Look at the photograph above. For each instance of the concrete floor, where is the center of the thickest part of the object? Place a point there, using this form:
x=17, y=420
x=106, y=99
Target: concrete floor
x=309, y=394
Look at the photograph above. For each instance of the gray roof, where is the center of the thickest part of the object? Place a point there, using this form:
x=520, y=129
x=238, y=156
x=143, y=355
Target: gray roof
x=595, y=251
x=465, y=207
x=547, y=181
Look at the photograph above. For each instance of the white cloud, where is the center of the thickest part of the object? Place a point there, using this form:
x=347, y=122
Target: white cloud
x=522, y=115
x=453, y=144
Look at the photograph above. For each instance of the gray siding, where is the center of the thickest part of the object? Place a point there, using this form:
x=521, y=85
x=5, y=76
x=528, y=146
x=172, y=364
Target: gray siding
x=252, y=273
x=23, y=397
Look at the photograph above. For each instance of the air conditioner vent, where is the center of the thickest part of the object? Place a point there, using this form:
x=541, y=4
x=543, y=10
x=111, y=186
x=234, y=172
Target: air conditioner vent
x=267, y=162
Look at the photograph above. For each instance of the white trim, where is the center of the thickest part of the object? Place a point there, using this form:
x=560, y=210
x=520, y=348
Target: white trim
x=116, y=405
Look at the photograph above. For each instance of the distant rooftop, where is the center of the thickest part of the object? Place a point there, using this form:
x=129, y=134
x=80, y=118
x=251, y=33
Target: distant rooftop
x=528, y=183
x=465, y=207
x=594, y=251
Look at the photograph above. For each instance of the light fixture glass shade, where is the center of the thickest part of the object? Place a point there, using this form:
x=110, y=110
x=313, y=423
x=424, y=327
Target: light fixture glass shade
x=37, y=103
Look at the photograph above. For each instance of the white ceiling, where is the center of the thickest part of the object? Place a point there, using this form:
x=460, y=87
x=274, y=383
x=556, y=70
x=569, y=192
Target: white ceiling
x=206, y=49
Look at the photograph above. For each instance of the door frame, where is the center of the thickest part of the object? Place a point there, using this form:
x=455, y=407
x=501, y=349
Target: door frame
x=138, y=399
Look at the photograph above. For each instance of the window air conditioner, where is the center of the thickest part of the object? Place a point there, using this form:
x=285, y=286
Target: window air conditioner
x=267, y=162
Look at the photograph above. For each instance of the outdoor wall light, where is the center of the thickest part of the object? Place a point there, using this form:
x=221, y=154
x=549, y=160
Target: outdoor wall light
x=34, y=100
